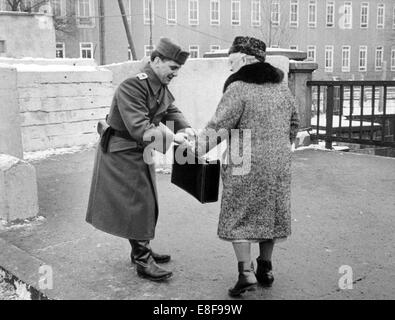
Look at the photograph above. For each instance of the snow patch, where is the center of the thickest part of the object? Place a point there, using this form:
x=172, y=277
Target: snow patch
x=18, y=224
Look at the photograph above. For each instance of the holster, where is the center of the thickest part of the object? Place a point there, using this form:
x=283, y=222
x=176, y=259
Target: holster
x=105, y=132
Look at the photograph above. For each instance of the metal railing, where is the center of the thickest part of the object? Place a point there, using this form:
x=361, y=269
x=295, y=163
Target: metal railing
x=361, y=112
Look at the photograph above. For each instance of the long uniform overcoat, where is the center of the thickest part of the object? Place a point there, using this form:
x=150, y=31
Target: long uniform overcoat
x=256, y=193
x=123, y=197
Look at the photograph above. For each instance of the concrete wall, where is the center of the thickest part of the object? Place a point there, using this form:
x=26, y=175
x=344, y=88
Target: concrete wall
x=198, y=87
x=27, y=35
x=59, y=105
x=61, y=108
x=10, y=132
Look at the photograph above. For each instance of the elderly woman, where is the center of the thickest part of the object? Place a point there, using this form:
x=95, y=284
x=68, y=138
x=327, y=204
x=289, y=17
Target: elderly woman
x=256, y=195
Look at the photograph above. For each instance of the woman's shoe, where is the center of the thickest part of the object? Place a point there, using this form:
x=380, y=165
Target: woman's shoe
x=247, y=280
x=264, y=273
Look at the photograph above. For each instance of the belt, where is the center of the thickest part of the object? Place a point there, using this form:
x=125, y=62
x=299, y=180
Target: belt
x=122, y=134
x=126, y=135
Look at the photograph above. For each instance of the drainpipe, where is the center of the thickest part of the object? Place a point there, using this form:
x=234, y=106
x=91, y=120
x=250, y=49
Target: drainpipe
x=102, y=33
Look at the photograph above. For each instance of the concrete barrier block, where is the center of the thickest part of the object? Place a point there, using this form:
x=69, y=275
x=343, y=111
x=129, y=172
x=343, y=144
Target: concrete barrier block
x=54, y=104
x=43, y=118
x=32, y=144
x=32, y=79
x=67, y=90
x=10, y=133
x=60, y=129
x=18, y=189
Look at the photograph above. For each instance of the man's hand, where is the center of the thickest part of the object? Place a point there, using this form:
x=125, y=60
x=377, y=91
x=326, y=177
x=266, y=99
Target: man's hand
x=191, y=133
x=180, y=137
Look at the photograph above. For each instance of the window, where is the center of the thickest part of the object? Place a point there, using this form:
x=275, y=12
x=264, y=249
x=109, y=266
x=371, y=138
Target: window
x=312, y=22
x=214, y=12
x=347, y=15
x=85, y=13
x=346, y=52
x=364, y=15
x=293, y=47
x=149, y=12
x=380, y=15
x=255, y=13
x=194, y=51
x=171, y=9
x=328, y=58
x=193, y=12
x=275, y=13
x=86, y=50
x=57, y=8
x=393, y=59
x=60, y=50
x=330, y=14
x=311, y=53
x=214, y=47
x=235, y=13
x=363, y=58
x=293, y=13
x=2, y=46
x=379, y=58
x=148, y=50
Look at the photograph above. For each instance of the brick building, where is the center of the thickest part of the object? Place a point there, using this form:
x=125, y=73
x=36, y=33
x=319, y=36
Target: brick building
x=348, y=39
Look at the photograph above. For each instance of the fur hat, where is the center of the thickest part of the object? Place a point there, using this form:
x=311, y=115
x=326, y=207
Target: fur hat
x=172, y=51
x=250, y=46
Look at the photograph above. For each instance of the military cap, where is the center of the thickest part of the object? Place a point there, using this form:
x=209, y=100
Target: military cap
x=250, y=46
x=172, y=51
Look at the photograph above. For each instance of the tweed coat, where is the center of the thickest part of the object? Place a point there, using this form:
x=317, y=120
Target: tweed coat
x=123, y=197
x=256, y=192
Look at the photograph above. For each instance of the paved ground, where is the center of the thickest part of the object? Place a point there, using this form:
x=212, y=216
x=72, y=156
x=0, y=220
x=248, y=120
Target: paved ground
x=343, y=214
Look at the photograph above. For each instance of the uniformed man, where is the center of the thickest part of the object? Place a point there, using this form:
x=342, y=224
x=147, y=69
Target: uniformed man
x=123, y=197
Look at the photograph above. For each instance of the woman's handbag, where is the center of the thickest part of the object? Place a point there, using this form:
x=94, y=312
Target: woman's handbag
x=198, y=177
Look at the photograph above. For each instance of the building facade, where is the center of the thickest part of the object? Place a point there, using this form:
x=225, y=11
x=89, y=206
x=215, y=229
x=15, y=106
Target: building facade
x=76, y=25
x=352, y=39
x=348, y=39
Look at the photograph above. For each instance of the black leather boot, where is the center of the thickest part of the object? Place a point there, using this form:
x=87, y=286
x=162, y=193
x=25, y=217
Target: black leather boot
x=146, y=266
x=159, y=258
x=264, y=273
x=247, y=280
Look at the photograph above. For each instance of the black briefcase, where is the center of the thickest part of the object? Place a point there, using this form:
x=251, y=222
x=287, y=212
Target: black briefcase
x=198, y=178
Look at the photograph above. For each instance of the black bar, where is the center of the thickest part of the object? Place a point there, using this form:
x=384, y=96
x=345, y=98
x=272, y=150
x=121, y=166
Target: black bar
x=348, y=83
x=341, y=105
x=351, y=110
x=318, y=108
x=373, y=105
x=384, y=112
x=329, y=116
x=361, y=98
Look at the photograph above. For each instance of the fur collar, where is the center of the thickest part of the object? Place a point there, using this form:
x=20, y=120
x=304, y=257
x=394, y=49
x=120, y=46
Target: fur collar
x=260, y=72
